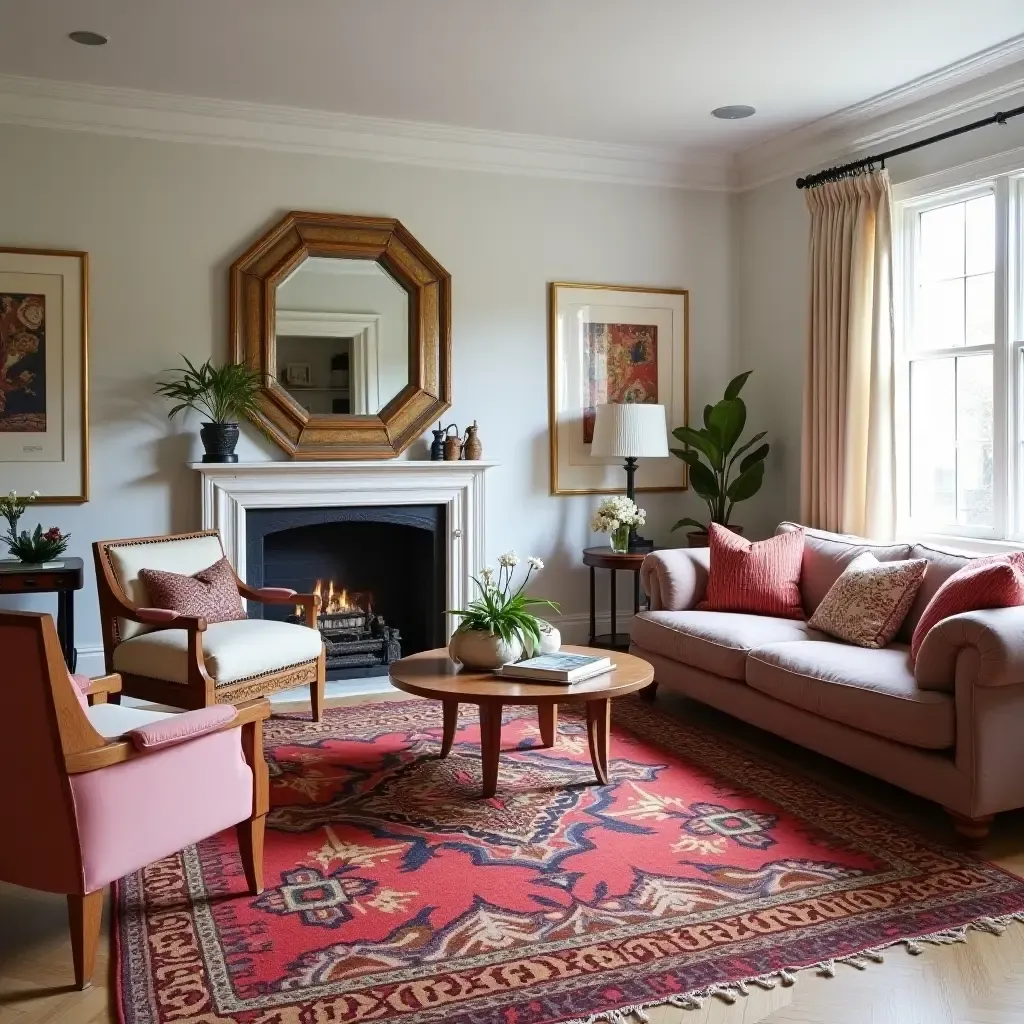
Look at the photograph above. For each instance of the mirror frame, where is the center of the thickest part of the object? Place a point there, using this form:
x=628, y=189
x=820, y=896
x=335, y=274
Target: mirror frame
x=254, y=278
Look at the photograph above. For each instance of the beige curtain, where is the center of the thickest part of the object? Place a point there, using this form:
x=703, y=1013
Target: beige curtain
x=848, y=473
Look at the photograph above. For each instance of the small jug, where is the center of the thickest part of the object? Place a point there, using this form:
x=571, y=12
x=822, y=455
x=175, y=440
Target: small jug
x=472, y=447
x=452, y=444
x=437, y=445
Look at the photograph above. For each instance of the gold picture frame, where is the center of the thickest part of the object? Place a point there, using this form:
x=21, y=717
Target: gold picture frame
x=656, y=321
x=44, y=326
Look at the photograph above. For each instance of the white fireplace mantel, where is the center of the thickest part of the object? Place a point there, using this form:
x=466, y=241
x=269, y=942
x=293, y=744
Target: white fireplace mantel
x=231, y=489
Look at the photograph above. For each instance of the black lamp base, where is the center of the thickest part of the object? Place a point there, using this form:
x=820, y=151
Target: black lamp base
x=640, y=545
x=636, y=542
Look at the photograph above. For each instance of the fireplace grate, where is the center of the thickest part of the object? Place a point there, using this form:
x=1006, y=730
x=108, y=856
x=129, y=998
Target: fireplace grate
x=355, y=639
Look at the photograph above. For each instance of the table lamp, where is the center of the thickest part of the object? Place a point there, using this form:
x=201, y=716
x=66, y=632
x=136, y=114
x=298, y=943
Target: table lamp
x=631, y=431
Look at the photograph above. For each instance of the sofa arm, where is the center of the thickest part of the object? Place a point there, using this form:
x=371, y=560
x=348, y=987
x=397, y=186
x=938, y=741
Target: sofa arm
x=984, y=647
x=181, y=728
x=676, y=578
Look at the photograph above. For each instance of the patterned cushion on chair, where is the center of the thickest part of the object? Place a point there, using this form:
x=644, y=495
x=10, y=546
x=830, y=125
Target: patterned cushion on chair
x=211, y=593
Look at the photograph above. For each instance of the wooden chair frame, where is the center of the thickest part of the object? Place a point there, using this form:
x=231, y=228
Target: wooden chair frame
x=201, y=690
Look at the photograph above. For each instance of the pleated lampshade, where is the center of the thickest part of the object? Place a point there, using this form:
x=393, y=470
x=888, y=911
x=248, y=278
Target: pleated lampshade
x=630, y=430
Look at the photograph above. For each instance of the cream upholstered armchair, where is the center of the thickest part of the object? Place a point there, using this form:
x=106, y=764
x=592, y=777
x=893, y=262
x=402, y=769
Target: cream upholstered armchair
x=183, y=660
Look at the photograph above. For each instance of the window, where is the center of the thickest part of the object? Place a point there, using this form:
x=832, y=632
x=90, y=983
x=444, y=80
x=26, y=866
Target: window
x=962, y=358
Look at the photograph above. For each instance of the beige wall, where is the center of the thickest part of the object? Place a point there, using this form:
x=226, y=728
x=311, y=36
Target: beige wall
x=162, y=222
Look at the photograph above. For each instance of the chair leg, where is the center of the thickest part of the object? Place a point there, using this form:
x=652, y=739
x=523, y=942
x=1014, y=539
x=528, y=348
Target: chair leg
x=250, y=849
x=316, y=687
x=973, y=831
x=84, y=915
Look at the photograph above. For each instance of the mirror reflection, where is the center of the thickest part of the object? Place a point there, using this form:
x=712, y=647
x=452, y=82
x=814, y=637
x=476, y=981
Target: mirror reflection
x=342, y=336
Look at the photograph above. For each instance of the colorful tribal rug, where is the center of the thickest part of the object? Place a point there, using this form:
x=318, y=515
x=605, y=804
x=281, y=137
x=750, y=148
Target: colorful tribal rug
x=395, y=893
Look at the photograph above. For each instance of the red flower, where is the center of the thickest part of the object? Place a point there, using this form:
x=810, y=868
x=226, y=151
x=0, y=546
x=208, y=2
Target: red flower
x=53, y=533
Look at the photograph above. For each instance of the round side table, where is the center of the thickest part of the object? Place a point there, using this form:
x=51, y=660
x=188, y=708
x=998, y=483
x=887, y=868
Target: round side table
x=605, y=558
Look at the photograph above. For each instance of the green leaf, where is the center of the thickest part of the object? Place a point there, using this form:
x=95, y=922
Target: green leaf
x=747, y=484
x=747, y=444
x=736, y=384
x=690, y=522
x=703, y=444
x=757, y=455
x=705, y=483
x=688, y=455
x=728, y=419
x=707, y=415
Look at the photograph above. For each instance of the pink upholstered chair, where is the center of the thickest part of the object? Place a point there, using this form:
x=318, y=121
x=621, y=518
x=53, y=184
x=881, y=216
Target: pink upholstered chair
x=93, y=793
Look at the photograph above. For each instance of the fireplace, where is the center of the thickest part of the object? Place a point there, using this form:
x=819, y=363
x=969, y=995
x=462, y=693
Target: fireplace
x=380, y=571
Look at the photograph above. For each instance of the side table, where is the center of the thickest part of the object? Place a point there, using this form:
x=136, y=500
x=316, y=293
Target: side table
x=605, y=558
x=63, y=580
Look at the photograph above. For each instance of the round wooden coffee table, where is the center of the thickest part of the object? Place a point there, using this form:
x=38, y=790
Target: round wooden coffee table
x=434, y=675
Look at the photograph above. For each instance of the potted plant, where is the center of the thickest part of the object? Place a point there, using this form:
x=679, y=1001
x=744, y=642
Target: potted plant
x=719, y=480
x=498, y=627
x=617, y=517
x=32, y=548
x=223, y=394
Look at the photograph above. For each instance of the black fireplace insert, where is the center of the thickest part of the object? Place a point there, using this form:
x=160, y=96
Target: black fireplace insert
x=379, y=569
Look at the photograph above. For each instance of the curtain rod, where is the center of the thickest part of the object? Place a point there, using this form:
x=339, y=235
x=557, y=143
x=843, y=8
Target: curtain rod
x=845, y=170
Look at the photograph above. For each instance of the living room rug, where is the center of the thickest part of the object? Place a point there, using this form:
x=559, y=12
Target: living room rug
x=395, y=892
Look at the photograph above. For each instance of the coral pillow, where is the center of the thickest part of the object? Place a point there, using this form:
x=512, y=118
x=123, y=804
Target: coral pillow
x=867, y=604
x=996, y=581
x=762, y=578
x=211, y=593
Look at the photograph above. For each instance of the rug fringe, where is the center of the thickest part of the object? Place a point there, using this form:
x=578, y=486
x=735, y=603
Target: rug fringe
x=786, y=976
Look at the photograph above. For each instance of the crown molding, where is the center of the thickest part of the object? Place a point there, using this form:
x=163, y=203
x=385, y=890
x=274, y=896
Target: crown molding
x=140, y=114
x=950, y=92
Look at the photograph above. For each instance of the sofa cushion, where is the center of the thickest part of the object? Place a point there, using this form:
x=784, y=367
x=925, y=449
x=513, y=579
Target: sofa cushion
x=941, y=565
x=231, y=650
x=826, y=555
x=716, y=642
x=872, y=689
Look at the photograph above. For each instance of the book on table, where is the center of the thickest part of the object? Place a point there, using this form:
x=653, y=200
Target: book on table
x=556, y=668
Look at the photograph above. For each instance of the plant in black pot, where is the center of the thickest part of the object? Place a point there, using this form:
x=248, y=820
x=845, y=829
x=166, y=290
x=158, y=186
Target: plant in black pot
x=221, y=393
x=728, y=474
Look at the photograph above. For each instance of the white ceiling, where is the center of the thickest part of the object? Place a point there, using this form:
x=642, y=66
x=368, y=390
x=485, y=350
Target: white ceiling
x=620, y=71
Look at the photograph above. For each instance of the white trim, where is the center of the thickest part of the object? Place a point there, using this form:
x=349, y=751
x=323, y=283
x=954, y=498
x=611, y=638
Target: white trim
x=141, y=114
x=230, y=490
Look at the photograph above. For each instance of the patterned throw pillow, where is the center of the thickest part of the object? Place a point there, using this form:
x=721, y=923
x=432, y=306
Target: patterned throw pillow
x=761, y=578
x=993, y=582
x=211, y=593
x=867, y=604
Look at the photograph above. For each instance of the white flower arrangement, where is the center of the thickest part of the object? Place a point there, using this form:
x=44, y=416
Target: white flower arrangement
x=617, y=512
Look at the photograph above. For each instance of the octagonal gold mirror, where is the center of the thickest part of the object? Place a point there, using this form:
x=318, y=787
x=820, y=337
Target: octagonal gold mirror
x=348, y=320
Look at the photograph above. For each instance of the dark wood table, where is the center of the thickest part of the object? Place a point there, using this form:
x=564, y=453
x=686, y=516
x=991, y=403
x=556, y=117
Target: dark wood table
x=605, y=558
x=434, y=675
x=63, y=582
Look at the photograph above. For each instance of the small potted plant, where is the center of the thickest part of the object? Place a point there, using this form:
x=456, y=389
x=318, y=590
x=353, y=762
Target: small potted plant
x=32, y=548
x=222, y=393
x=618, y=517
x=721, y=482
x=498, y=627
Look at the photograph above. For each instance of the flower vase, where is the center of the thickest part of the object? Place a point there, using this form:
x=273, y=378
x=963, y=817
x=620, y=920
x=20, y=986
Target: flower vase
x=619, y=540
x=482, y=651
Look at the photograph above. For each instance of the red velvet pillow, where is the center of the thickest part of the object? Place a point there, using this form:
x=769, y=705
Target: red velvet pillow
x=211, y=593
x=762, y=578
x=996, y=581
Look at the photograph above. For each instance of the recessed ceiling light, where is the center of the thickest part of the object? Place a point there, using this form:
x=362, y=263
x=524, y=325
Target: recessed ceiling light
x=88, y=38
x=733, y=113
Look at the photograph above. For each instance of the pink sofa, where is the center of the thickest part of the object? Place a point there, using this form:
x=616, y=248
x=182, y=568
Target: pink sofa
x=950, y=728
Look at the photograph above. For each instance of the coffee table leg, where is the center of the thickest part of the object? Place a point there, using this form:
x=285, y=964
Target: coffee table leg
x=490, y=744
x=599, y=724
x=547, y=718
x=451, y=723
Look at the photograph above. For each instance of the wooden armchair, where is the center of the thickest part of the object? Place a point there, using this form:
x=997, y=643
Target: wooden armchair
x=184, y=661
x=96, y=792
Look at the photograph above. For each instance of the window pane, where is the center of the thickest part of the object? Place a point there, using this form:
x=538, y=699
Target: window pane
x=974, y=440
x=942, y=242
x=939, y=316
x=980, y=216
x=981, y=310
x=933, y=440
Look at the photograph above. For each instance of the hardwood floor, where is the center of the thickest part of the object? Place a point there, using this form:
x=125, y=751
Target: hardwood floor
x=977, y=982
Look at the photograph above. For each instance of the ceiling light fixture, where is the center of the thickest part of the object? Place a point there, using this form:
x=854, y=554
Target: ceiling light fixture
x=88, y=38
x=734, y=112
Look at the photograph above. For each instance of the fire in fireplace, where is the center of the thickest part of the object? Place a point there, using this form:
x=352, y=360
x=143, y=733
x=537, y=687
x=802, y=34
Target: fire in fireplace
x=354, y=637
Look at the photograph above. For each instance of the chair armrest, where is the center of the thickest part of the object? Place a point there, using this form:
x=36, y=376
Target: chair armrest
x=277, y=595
x=103, y=684
x=165, y=618
x=675, y=579
x=181, y=728
x=984, y=647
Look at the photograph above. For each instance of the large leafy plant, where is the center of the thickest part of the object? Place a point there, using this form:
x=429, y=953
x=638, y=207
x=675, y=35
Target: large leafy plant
x=711, y=454
x=222, y=393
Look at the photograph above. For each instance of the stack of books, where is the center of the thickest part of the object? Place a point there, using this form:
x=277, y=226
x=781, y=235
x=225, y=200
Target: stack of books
x=558, y=669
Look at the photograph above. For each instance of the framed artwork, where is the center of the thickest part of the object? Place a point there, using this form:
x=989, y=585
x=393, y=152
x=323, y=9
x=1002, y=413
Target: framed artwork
x=44, y=404
x=614, y=343
x=298, y=374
